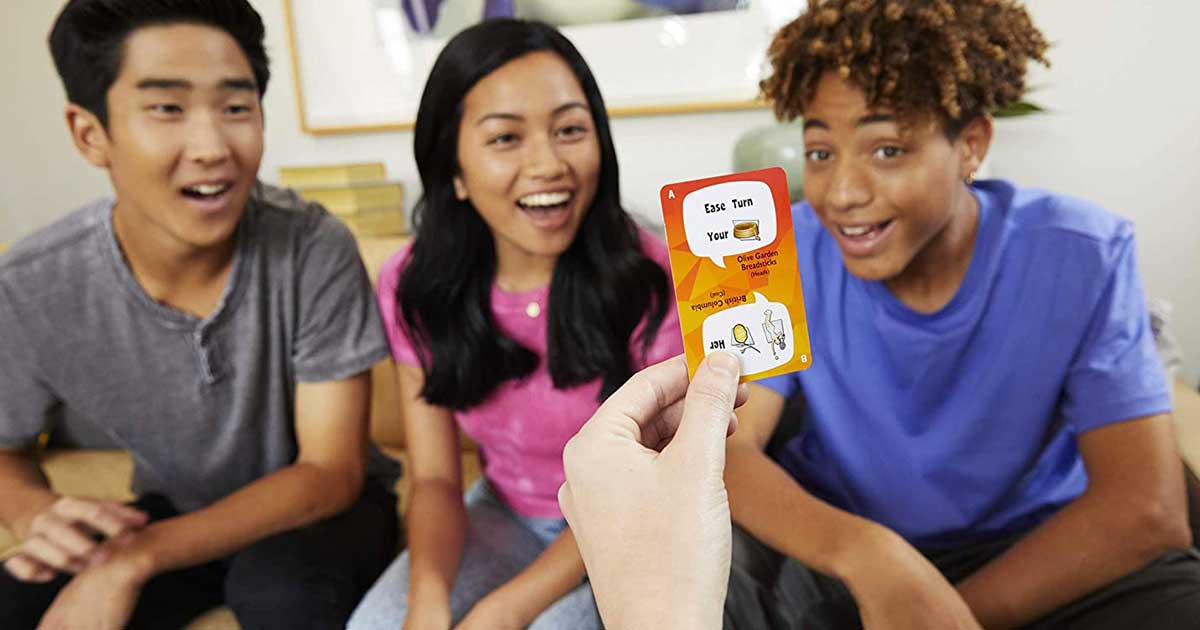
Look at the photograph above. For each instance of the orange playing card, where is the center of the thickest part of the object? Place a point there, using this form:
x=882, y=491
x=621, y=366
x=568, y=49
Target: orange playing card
x=733, y=258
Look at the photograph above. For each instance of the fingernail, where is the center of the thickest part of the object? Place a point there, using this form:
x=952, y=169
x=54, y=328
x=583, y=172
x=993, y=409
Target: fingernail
x=725, y=363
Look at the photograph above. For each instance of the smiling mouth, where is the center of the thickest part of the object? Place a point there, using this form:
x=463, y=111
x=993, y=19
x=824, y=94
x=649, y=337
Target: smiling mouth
x=863, y=232
x=545, y=203
x=205, y=192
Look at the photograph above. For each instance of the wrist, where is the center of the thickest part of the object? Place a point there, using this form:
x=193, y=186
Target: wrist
x=863, y=549
x=38, y=502
x=643, y=601
x=428, y=601
x=508, y=603
x=427, y=615
x=652, y=614
x=132, y=557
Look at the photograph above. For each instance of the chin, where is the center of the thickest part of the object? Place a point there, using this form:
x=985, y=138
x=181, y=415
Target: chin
x=210, y=237
x=870, y=270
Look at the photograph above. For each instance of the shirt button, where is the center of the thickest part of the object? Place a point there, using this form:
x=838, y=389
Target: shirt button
x=533, y=309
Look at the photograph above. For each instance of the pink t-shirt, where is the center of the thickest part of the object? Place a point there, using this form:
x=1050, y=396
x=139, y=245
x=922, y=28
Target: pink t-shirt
x=523, y=426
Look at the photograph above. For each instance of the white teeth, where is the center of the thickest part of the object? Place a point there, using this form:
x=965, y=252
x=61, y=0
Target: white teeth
x=857, y=231
x=208, y=189
x=541, y=200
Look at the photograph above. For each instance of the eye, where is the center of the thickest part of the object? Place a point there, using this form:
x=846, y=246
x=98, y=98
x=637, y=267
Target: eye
x=238, y=110
x=166, y=109
x=571, y=132
x=889, y=151
x=817, y=155
x=503, y=139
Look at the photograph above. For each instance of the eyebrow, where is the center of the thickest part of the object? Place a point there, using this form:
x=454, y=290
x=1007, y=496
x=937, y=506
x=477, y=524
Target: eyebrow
x=155, y=83
x=869, y=119
x=515, y=117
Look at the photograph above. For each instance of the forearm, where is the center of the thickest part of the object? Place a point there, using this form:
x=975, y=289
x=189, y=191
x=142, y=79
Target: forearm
x=767, y=502
x=437, y=526
x=25, y=490
x=556, y=572
x=1086, y=545
x=292, y=497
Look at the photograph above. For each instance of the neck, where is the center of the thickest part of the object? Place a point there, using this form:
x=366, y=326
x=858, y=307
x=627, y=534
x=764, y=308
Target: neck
x=518, y=270
x=171, y=272
x=932, y=278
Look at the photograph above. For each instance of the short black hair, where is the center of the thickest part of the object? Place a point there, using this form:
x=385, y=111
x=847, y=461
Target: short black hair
x=88, y=40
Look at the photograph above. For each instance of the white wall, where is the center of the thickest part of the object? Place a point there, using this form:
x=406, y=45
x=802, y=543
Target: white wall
x=41, y=176
x=1125, y=131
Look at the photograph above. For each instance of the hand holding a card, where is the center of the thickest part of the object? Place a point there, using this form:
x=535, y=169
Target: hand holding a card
x=645, y=495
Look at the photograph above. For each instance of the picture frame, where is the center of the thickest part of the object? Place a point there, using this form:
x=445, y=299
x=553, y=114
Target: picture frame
x=356, y=70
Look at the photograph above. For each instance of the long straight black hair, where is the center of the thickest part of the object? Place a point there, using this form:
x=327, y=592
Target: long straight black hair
x=603, y=287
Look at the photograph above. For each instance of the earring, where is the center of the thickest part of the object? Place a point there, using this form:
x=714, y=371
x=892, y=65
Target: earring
x=969, y=179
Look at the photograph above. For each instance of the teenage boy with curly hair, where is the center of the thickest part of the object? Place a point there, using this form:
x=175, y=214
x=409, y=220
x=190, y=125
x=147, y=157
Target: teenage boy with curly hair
x=986, y=435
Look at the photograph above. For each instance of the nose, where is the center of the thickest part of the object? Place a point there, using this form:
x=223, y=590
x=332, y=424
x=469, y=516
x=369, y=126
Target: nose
x=542, y=160
x=848, y=187
x=206, y=142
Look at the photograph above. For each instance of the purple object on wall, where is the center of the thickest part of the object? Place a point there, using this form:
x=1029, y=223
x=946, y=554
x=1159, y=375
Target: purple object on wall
x=423, y=14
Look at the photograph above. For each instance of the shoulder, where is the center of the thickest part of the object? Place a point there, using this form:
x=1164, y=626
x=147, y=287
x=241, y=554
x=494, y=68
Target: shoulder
x=284, y=219
x=654, y=247
x=58, y=253
x=1057, y=224
x=805, y=223
x=284, y=209
x=389, y=273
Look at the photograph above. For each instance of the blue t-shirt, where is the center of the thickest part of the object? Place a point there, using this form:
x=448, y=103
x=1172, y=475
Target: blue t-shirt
x=960, y=426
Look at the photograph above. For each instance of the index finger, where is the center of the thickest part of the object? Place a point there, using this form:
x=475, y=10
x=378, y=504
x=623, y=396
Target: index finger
x=108, y=519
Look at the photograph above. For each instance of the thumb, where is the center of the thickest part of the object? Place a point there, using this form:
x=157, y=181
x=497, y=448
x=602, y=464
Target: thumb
x=708, y=410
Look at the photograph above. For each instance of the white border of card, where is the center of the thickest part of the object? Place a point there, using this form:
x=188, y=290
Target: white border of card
x=356, y=67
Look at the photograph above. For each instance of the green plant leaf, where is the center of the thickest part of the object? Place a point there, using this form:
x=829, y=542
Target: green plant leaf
x=1020, y=108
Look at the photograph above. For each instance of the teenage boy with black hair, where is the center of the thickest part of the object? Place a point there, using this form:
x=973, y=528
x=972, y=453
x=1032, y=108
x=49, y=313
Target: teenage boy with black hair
x=220, y=330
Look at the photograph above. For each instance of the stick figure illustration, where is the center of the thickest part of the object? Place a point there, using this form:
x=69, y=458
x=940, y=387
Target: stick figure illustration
x=773, y=329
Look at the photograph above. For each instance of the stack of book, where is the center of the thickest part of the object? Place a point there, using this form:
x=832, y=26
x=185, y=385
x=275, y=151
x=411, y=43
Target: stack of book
x=358, y=194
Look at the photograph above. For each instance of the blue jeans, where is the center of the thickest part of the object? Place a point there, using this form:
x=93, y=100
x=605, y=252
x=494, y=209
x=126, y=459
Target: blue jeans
x=500, y=543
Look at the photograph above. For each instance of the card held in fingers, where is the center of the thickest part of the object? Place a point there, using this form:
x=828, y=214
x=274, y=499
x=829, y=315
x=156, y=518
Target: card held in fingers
x=733, y=259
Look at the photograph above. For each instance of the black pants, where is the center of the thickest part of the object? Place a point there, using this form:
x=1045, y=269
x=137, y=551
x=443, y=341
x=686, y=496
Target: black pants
x=311, y=577
x=770, y=592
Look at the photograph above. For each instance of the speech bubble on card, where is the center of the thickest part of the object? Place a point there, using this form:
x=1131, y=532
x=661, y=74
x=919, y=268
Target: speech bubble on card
x=728, y=219
x=759, y=333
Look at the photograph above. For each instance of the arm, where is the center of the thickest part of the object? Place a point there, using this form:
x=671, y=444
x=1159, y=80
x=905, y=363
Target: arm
x=53, y=528
x=25, y=490
x=1132, y=512
x=894, y=585
x=768, y=503
x=326, y=478
x=518, y=602
x=645, y=499
x=437, y=520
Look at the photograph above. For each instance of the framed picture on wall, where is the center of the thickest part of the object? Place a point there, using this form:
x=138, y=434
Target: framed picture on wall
x=360, y=65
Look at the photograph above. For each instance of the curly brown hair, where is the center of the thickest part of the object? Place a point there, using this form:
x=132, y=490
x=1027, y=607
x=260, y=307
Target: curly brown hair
x=953, y=59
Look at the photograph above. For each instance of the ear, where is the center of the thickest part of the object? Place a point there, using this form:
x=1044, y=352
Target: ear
x=460, y=188
x=89, y=136
x=973, y=143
